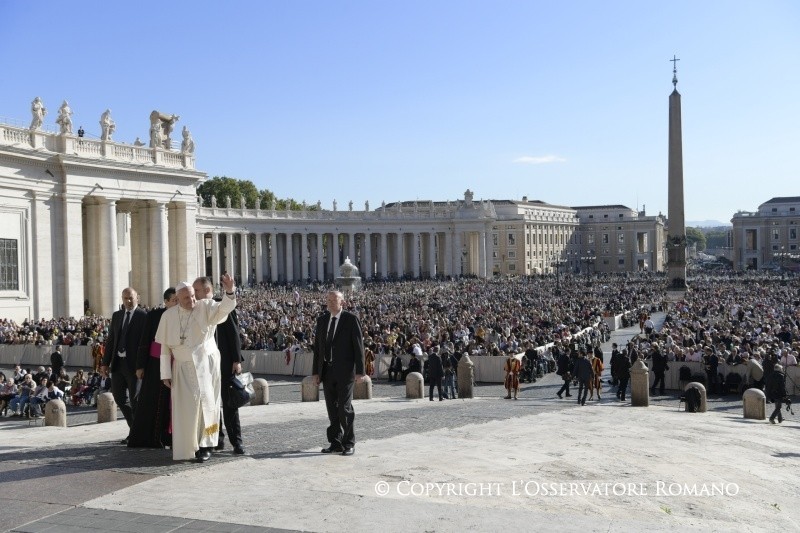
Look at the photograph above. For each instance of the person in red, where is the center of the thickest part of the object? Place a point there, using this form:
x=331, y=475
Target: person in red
x=512, y=368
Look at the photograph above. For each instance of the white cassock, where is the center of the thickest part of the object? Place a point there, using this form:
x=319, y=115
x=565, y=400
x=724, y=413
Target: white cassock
x=192, y=363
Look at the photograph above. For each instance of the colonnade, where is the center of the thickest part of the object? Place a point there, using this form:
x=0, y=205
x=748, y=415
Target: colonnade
x=293, y=256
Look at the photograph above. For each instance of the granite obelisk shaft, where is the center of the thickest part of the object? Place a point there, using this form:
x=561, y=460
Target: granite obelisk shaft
x=676, y=234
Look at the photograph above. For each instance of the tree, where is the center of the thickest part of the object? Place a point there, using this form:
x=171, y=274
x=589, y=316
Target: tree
x=222, y=187
x=694, y=235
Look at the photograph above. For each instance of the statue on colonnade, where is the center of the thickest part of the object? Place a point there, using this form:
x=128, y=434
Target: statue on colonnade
x=65, y=119
x=38, y=111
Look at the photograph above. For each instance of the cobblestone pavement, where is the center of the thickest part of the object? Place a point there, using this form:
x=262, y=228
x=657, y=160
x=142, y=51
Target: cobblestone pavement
x=101, y=467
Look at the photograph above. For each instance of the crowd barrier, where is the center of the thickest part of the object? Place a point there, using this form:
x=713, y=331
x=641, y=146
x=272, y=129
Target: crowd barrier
x=672, y=376
x=30, y=355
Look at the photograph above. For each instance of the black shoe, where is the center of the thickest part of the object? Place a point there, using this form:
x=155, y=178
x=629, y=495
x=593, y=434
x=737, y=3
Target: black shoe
x=238, y=450
x=348, y=451
x=219, y=447
x=568, y=395
x=124, y=441
x=333, y=448
x=771, y=420
x=203, y=455
x=560, y=397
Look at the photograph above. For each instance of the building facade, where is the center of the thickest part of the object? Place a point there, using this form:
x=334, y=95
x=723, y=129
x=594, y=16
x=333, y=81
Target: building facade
x=768, y=237
x=81, y=219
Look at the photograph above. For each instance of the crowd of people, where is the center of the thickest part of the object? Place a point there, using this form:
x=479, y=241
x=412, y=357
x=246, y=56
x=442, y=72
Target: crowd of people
x=752, y=320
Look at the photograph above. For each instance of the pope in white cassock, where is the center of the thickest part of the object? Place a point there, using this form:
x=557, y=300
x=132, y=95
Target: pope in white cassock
x=190, y=366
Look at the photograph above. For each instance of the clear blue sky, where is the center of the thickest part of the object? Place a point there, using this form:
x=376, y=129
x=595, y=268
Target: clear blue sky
x=564, y=102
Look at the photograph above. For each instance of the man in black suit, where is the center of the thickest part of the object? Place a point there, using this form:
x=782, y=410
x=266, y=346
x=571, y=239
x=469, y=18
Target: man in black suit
x=56, y=363
x=338, y=363
x=122, y=345
x=229, y=343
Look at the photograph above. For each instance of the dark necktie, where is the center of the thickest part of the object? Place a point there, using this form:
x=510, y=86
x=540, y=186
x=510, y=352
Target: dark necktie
x=121, y=346
x=329, y=341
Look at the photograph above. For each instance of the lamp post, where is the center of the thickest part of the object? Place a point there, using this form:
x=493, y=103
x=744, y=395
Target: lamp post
x=556, y=263
x=589, y=260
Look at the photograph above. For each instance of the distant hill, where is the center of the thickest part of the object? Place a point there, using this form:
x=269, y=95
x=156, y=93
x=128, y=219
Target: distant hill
x=706, y=224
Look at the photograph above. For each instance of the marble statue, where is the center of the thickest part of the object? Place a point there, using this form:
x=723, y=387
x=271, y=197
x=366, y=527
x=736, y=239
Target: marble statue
x=242, y=203
x=213, y=201
x=38, y=111
x=366, y=205
x=107, y=126
x=167, y=122
x=350, y=205
x=468, y=195
x=334, y=204
x=383, y=205
x=228, y=202
x=304, y=206
x=319, y=205
x=187, y=146
x=138, y=142
x=272, y=204
x=156, y=138
x=65, y=119
x=258, y=203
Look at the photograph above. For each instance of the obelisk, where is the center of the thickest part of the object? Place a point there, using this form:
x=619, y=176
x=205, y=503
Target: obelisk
x=676, y=232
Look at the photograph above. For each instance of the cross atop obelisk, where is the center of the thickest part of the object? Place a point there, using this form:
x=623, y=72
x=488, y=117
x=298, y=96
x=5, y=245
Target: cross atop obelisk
x=675, y=71
x=676, y=232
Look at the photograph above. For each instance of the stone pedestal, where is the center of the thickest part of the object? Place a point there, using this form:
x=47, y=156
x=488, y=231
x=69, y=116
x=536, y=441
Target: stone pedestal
x=362, y=390
x=466, y=377
x=702, y=389
x=640, y=384
x=754, y=403
x=309, y=390
x=414, y=385
x=55, y=413
x=261, y=392
x=106, y=408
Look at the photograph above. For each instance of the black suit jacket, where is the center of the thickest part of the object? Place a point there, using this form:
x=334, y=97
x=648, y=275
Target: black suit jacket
x=148, y=336
x=229, y=343
x=134, y=336
x=348, y=346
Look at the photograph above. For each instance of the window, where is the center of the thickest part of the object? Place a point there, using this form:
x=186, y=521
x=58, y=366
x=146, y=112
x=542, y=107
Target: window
x=528, y=239
x=512, y=267
x=494, y=254
x=9, y=265
x=621, y=215
x=590, y=238
x=774, y=247
x=605, y=238
x=512, y=239
x=793, y=233
x=622, y=262
x=621, y=250
x=591, y=216
x=494, y=239
x=776, y=234
x=605, y=216
x=512, y=255
x=621, y=238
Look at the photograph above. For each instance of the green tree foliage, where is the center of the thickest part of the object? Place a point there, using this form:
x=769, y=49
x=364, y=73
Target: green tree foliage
x=716, y=238
x=223, y=187
x=694, y=235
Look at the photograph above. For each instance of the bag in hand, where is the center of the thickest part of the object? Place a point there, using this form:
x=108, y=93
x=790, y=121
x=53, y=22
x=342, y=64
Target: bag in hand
x=240, y=390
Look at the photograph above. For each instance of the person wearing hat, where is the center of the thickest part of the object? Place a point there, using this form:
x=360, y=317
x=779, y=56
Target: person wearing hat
x=776, y=392
x=190, y=366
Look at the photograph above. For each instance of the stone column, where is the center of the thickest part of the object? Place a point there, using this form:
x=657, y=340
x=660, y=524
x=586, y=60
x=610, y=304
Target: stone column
x=482, y=254
x=159, y=264
x=173, y=242
x=432, y=254
x=183, y=225
x=335, y=254
x=351, y=248
x=259, y=258
x=445, y=253
x=244, y=259
x=384, y=251
x=91, y=275
x=369, y=265
x=304, y=256
x=273, y=256
x=289, y=258
x=415, y=251
x=458, y=257
x=229, y=253
x=215, y=273
x=399, y=254
x=42, y=257
x=201, y=254
x=320, y=257
x=109, y=268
